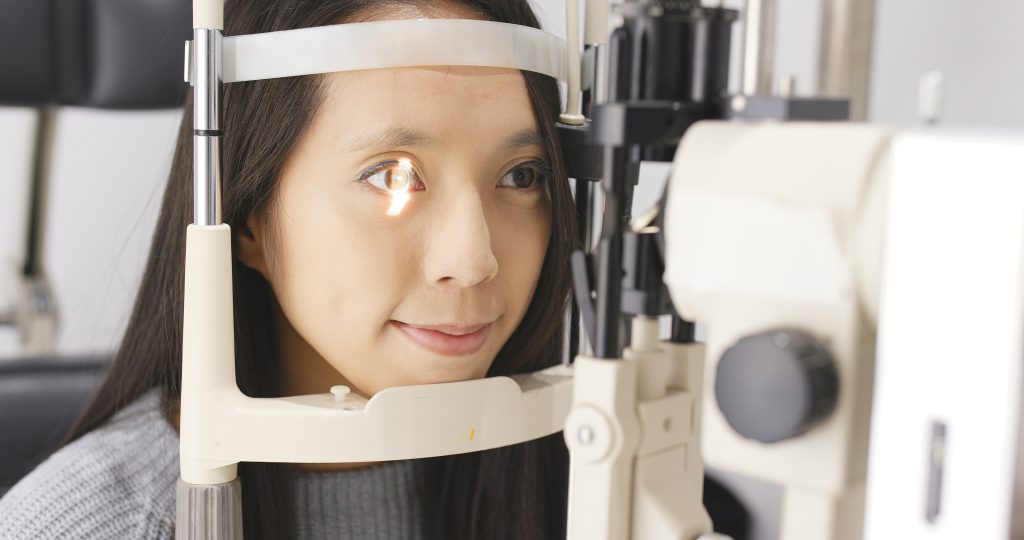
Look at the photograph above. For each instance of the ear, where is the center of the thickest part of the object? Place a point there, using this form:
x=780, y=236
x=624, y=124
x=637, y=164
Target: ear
x=252, y=244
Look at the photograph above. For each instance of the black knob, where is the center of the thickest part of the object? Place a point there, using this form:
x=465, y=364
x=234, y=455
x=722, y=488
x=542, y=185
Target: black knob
x=776, y=385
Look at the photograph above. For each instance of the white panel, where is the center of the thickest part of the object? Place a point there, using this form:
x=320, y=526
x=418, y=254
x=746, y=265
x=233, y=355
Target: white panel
x=949, y=338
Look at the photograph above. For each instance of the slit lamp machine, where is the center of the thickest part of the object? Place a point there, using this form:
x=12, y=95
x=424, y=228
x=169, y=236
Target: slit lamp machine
x=860, y=288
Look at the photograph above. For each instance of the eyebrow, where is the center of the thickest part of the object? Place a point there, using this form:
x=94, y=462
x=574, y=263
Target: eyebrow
x=402, y=137
x=526, y=137
x=392, y=137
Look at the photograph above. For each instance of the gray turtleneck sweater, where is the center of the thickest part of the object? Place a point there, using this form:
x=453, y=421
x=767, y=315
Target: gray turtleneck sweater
x=119, y=482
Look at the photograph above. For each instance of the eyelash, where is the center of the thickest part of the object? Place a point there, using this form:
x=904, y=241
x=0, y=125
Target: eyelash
x=542, y=168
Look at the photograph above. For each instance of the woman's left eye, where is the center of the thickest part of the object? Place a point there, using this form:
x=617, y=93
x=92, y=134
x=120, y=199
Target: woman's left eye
x=527, y=176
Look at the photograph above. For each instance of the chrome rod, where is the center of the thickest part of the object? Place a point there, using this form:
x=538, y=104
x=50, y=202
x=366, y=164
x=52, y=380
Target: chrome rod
x=207, y=55
x=759, y=47
x=844, y=70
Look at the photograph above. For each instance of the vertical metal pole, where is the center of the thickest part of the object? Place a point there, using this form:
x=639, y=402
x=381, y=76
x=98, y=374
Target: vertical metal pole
x=42, y=159
x=35, y=311
x=608, y=316
x=573, y=114
x=206, y=511
x=206, y=58
x=844, y=69
x=589, y=198
x=759, y=46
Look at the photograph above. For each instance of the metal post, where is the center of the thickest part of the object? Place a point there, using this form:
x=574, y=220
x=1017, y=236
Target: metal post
x=845, y=63
x=759, y=47
x=35, y=310
x=206, y=58
x=207, y=511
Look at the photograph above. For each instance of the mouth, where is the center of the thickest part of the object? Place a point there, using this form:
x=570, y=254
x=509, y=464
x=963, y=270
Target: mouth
x=446, y=340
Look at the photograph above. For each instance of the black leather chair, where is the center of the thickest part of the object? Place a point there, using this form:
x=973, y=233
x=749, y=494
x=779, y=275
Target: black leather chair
x=110, y=54
x=39, y=400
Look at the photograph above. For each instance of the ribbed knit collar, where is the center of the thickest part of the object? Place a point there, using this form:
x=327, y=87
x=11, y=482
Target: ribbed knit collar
x=378, y=501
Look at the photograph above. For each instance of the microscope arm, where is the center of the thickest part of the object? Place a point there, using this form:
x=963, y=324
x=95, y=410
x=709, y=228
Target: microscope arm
x=774, y=240
x=634, y=437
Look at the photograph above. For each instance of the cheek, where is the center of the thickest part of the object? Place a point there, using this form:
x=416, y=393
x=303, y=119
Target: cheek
x=336, y=277
x=520, y=244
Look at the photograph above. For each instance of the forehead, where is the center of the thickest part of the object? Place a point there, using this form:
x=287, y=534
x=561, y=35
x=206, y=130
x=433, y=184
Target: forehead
x=443, y=100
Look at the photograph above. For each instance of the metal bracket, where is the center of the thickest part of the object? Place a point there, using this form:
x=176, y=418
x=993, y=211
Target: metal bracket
x=188, y=62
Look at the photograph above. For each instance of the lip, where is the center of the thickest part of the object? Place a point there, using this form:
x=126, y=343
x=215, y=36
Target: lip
x=446, y=340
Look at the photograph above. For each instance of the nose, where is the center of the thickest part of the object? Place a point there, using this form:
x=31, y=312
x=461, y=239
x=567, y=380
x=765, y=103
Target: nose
x=460, y=250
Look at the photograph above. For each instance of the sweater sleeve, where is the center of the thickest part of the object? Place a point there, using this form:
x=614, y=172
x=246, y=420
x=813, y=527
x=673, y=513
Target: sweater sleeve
x=115, y=482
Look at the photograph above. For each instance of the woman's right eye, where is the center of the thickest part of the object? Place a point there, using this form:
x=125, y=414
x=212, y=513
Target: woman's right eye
x=395, y=178
x=391, y=176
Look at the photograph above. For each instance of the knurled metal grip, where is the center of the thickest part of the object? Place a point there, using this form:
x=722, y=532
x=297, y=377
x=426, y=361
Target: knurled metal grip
x=209, y=512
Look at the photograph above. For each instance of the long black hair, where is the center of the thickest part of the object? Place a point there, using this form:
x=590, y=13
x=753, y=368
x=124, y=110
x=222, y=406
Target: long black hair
x=513, y=492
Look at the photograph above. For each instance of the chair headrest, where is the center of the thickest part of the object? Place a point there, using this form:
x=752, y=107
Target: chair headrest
x=113, y=54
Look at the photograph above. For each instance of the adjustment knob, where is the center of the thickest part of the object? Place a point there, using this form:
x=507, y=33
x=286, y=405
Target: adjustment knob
x=776, y=385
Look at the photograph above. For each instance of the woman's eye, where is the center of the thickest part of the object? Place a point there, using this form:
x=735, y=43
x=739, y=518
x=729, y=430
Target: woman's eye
x=526, y=176
x=395, y=178
x=392, y=176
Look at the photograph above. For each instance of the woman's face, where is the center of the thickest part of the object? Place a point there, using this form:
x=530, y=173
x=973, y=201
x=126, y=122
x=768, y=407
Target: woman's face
x=375, y=294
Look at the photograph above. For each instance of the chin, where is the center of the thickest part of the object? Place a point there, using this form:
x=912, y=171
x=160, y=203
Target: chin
x=448, y=369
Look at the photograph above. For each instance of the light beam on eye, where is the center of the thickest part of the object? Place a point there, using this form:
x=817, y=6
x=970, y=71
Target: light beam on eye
x=399, y=198
x=399, y=183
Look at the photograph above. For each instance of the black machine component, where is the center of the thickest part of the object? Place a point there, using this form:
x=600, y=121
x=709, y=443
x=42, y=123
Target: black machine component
x=643, y=291
x=776, y=385
x=582, y=160
x=674, y=51
x=786, y=108
x=668, y=68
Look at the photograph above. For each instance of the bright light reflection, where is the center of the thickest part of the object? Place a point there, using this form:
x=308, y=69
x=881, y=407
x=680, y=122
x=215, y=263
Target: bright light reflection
x=399, y=197
x=398, y=184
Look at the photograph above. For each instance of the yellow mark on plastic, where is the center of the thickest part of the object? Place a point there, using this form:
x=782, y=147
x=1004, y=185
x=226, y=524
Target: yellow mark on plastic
x=472, y=433
x=399, y=183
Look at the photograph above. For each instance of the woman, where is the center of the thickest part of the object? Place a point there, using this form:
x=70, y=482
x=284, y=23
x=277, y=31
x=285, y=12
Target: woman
x=467, y=280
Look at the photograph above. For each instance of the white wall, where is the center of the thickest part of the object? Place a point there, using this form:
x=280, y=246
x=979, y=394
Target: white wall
x=108, y=173
x=977, y=45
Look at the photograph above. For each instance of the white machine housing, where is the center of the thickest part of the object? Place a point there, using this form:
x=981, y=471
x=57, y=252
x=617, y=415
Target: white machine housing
x=946, y=457
x=778, y=226
x=851, y=232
